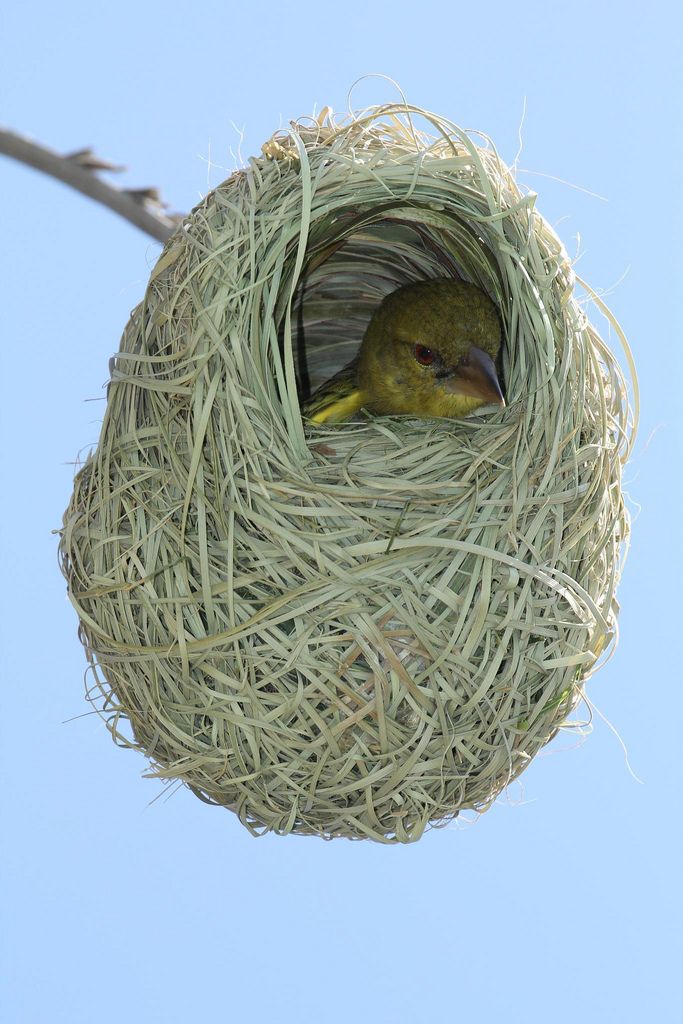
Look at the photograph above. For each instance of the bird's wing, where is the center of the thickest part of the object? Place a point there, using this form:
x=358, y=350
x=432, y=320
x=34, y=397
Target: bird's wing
x=336, y=400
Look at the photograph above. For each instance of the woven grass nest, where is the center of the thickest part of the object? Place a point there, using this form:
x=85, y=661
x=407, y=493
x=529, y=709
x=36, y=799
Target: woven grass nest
x=354, y=630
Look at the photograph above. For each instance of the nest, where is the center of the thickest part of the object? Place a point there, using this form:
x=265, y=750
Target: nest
x=363, y=629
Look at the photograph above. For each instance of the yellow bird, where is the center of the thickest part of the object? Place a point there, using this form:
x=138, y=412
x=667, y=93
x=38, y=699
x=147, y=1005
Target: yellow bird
x=430, y=349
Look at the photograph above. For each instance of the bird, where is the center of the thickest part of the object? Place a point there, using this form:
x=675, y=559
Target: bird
x=430, y=349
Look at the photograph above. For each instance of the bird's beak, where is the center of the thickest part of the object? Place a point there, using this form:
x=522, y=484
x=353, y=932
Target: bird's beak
x=476, y=377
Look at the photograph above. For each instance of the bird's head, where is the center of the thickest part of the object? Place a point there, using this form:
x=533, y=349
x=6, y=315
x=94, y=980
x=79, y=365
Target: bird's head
x=431, y=350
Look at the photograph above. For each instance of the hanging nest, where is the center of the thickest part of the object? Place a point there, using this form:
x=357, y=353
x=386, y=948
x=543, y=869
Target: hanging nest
x=362, y=629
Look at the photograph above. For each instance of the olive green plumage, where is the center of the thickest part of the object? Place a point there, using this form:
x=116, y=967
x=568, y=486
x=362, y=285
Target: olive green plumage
x=430, y=349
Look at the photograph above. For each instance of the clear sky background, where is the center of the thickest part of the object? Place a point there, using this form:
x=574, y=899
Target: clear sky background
x=562, y=902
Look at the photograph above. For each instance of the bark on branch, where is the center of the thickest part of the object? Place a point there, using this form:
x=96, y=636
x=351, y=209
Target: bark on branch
x=141, y=207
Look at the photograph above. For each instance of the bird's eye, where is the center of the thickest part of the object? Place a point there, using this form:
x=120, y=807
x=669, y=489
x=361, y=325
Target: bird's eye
x=424, y=355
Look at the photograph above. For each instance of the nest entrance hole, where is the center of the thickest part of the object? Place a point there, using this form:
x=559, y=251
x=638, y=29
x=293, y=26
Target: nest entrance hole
x=338, y=292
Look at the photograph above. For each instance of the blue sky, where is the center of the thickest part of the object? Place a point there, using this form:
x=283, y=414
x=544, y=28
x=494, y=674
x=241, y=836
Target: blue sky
x=562, y=901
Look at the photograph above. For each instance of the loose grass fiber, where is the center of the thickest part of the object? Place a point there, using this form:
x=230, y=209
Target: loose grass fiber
x=364, y=629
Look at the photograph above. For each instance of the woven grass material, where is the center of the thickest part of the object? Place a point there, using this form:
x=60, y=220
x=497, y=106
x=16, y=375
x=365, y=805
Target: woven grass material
x=362, y=629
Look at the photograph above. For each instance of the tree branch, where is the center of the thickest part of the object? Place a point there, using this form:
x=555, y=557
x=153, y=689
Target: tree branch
x=141, y=207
